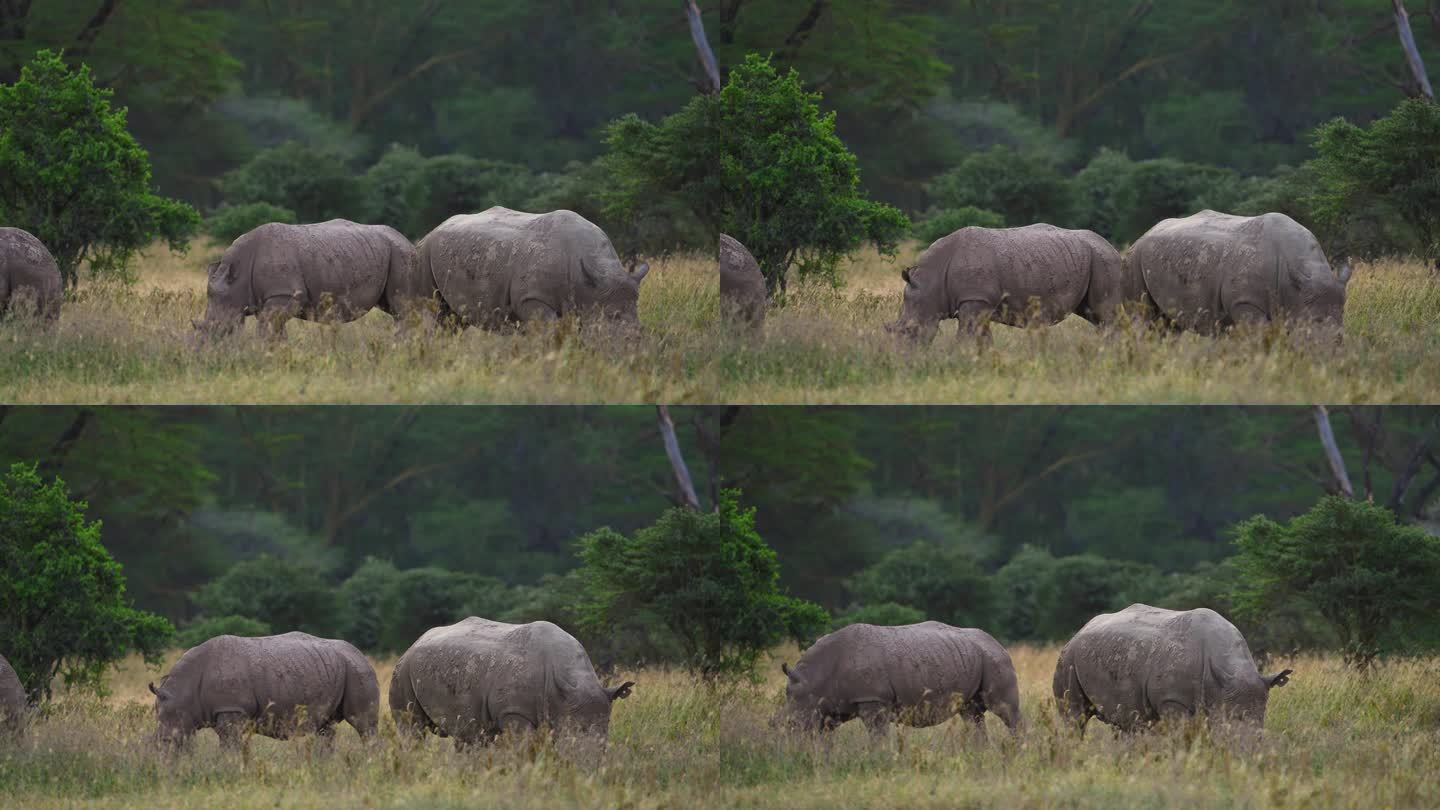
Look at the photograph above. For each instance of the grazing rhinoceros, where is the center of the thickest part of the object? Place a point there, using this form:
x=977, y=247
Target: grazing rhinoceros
x=1144, y=664
x=742, y=287
x=501, y=267
x=29, y=274
x=337, y=270
x=285, y=685
x=1038, y=274
x=14, y=708
x=1210, y=271
x=917, y=674
x=476, y=679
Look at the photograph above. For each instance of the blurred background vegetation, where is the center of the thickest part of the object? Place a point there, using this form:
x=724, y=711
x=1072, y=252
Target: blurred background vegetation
x=375, y=524
x=1108, y=114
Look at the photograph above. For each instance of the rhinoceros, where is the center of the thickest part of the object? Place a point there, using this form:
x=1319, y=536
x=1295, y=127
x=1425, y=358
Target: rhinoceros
x=502, y=267
x=1143, y=664
x=29, y=274
x=14, y=707
x=742, y=287
x=476, y=679
x=336, y=270
x=916, y=674
x=1210, y=271
x=285, y=685
x=1038, y=274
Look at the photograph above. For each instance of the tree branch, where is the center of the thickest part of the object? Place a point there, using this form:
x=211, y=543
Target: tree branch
x=86, y=38
x=677, y=462
x=1410, y=470
x=63, y=445
x=1412, y=53
x=362, y=108
x=706, y=56
x=1340, y=478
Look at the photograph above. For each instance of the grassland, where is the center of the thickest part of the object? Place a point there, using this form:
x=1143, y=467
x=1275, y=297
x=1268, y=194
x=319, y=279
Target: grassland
x=1334, y=739
x=129, y=345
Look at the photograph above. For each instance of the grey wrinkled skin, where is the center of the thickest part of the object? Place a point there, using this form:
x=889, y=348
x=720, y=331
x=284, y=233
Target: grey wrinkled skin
x=285, y=685
x=1210, y=271
x=477, y=679
x=502, y=267
x=742, y=287
x=1035, y=275
x=14, y=708
x=916, y=674
x=29, y=277
x=1141, y=665
x=330, y=271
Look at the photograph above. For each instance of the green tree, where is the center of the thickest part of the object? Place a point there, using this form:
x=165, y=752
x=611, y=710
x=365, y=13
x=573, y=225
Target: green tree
x=760, y=162
x=197, y=633
x=1022, y=188
x=63, y=608
x=944, y=582
x=946, y=221
x=1392, y=165
x=280, y=594
x=708, y=577
x=313, y=184
x=1370, y=576
x=71, y=173
x=885, y=614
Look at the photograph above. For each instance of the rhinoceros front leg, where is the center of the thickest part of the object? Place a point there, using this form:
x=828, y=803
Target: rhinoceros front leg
x=271, y=319
x=876, y=717
x=532, y=309
x=230, y=727
x=974, y=318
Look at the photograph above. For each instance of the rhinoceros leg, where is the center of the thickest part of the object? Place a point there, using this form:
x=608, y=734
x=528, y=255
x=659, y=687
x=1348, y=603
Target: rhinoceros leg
x=535, y=310
x=974, y=318
x=229, y=727
x=274, y=314
x=876, y=717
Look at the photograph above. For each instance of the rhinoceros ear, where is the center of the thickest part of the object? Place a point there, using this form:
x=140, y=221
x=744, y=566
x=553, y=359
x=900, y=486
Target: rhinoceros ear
x=785, y=668
x=1278, y=679
x=153, y=690
x=591, y=280
x=638, y=274
x=621, y=691
x=909, y=281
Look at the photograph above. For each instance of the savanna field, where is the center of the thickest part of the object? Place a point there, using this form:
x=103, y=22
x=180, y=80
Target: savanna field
x=826, y=345
x=1334, y=739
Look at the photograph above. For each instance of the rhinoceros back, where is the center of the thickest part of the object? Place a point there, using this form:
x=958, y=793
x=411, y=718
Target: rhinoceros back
x=339, y=262
x=467, y=677
x=742, y=286
x=26, y=264
x=12, y=696
x=485, y=265
x=897, y=664
x=1020, y=267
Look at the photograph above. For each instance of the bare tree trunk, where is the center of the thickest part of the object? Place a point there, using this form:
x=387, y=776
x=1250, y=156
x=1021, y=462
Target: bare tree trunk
x=1341, y=479
x=677, y=462
x=1406, y=478
x=1412, y=53
x=711, y=84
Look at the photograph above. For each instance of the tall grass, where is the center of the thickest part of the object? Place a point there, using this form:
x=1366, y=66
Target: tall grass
x=1334, y=739
x=117, y=345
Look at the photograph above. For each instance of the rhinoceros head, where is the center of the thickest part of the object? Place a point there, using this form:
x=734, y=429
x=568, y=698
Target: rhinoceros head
x=227, y=301
x=802, y=710
x=923, y=307
x=615, y=296
x=1315, y=294
x=174, y=718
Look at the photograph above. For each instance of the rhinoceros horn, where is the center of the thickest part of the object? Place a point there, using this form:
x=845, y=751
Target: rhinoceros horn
x=1278, y=679
x=1344, y=271
x=621, y=691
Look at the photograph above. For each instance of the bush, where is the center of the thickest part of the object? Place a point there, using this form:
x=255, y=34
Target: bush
x=758, y=161
x=1121, y=199
x=1372, y=578
x=946, y=221
x=1389, y=170
x=73, y=176
x=885, y=614
x=395, y=189
x=459, y=184
x=63, y=608
x=362, y=600
x=1284, y=630
x=281, y=594
x=944, y=583
x=197, y=633
x=1023, y=189
x=1047, y=598
x=707, y=577
x=479, y=535
x=313, y=183
x=638, y=639
x=421, y=598
x=233, y=221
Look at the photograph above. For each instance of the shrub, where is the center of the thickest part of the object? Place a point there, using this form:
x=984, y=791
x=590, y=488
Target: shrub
x=637, y=639
x=421, y=598
x=197, y=633
x=63, y=608
x=944, y=583
x=946, y=221
x=1391, y=168
x=758, y=161
x=707, y=577
x=1042, y=597
x=71, y=174
x=281, y=594
x=1022, y=188
x=394, y=189
x=1121, y=199
x=1283, y=630
x=313, y=183
x=459, y=184
x=1371, y=577
x=362, y=600
x=886, y=614
x=233, y=221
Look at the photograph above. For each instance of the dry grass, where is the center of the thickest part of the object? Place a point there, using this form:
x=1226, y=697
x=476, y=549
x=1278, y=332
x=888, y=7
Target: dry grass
x=1334, y=739
x=826, y=345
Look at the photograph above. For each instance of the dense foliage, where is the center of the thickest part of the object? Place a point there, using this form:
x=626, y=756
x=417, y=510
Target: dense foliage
x=707, y=577
x=63, y=607
x=74, y=176
x=1375, y=580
